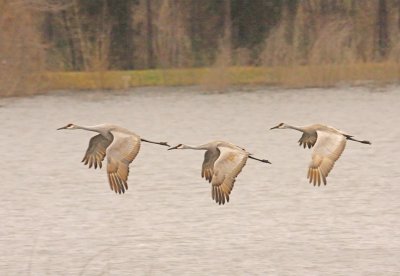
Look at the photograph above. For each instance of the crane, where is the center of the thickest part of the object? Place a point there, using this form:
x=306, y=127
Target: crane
x=222, y=163
x=120, y=145
x=328, y=144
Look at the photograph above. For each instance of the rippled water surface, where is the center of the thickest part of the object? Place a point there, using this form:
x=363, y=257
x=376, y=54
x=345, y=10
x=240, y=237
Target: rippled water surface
x=60, y=218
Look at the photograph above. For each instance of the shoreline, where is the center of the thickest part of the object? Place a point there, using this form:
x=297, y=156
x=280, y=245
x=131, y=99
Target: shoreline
x=220, y=78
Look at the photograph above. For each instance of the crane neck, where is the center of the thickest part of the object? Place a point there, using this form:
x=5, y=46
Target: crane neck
x=89, y=128
x=296, y=128
x=97, y=129
x=201, y=147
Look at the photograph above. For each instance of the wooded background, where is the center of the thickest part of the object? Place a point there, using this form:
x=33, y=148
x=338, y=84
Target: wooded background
x=92, y=35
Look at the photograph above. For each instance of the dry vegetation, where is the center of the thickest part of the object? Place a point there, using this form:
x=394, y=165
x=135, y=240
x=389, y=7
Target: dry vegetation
x=58, y=44
x=21, y=50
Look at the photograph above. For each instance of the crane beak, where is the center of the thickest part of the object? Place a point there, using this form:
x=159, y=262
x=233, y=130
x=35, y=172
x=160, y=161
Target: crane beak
x=174, y=147
x=64, y=127
x=274, y=127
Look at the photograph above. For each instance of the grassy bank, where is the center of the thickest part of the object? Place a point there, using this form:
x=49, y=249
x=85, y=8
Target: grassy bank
x=219, y=78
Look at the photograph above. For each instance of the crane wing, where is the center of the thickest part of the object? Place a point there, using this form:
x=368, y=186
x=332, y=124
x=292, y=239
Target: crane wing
x=307, y=140
x=226, y=168
x=123, y=149
x=96, y=151
x=207, y=169
x=326, y=151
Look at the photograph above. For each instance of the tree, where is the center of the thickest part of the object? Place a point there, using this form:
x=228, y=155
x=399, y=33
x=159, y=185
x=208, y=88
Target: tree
x=382, y=43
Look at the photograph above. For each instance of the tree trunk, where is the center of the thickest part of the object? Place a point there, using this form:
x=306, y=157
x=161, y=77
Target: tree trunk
x=382, y=28
x=149, y=37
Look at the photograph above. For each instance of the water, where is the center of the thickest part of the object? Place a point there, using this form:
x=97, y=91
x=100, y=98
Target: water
x=60, y=218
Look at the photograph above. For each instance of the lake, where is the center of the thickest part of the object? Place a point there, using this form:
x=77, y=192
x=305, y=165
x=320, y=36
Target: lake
x=60, y=218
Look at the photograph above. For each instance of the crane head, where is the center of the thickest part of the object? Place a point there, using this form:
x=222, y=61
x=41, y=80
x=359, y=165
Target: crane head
x=280, y=126
x=69, y=126
x=180, y=146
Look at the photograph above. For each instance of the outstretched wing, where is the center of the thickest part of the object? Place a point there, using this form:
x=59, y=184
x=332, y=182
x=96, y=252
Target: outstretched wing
x=207, y=169
x=96, y=151
x=226, y=168
x=326, y=151
x=307, y=140
x=121, y=152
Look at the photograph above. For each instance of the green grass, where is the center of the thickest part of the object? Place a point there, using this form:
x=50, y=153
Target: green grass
x=287, y=76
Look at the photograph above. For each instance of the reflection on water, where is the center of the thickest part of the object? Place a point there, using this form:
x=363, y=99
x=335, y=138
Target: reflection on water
x=58, y=217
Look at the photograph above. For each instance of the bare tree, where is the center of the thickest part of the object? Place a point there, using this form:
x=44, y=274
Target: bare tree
x=382, y=43
x=21, y=51
x=150, y=37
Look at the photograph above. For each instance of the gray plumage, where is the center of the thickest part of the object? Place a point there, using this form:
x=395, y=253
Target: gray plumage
x=327, y=142
x=121, y=147
x=222, y=163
